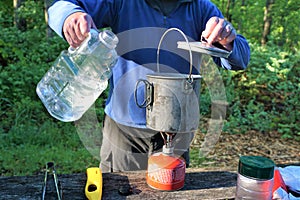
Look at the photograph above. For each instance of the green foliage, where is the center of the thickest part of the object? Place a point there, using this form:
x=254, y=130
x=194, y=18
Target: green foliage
x=265, y=97
x=29, y=137
x=197, y=160
x=247, y=17
x=285, y=24
x=6, y=10
x=28, y=147
x=32, y=13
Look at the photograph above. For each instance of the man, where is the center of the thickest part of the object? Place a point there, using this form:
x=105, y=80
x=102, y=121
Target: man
x=139, y=25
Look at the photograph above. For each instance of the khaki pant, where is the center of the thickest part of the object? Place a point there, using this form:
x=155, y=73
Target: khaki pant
x=127, y=149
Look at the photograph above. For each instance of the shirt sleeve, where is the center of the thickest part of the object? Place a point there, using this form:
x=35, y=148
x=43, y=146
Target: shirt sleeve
x=239, y=57
x=102, y=12
x=58, y=13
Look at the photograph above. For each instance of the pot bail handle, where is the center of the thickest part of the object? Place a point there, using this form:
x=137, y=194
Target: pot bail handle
x=190, y=50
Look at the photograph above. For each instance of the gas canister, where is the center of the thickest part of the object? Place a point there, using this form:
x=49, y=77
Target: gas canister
x=166, y=171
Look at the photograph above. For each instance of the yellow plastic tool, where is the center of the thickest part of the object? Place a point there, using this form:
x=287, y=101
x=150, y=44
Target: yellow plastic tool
x=93, y=187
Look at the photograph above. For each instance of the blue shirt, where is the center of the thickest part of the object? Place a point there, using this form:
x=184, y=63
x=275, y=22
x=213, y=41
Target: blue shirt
x=139, y=28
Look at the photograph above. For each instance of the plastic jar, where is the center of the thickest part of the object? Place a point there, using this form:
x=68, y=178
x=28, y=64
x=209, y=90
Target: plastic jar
x=79, y=76
x=255, y=178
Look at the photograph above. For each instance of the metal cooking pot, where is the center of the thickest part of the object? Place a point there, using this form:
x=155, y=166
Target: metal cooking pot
x=171, y=99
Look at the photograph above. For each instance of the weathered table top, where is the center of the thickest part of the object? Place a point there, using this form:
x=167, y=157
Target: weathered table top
x=199, y=184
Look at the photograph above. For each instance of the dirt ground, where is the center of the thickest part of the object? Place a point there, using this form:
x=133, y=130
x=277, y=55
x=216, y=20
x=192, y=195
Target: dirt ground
x=228, y=148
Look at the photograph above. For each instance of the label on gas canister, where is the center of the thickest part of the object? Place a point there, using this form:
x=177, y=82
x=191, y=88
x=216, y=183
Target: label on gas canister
x=165, y=178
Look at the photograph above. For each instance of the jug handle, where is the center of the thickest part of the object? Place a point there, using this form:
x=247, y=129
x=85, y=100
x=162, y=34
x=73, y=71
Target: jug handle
x=148, y=97
x=73, y=50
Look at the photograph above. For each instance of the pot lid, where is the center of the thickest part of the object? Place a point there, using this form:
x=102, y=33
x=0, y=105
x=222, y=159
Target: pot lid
x=204, y=48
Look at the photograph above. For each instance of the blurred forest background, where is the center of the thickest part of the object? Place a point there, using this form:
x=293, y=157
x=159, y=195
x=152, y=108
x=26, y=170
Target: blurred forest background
x=264, y=98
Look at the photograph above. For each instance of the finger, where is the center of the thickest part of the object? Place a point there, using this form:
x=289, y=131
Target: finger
x=70, y=35
x=227, y=42
x=231, y=36
x=84, y=25
x=210, y=26
x=93, y=25
x=76, y=28
x=74, y=34
x=228, y=34
x=216, y=34
x=226, y=31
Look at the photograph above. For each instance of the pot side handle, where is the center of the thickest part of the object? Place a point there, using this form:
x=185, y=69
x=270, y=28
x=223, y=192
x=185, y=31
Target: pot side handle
x=148, y=94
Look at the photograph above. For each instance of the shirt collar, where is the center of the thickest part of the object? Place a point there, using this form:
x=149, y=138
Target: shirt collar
x=156, y=4
x=151, y=2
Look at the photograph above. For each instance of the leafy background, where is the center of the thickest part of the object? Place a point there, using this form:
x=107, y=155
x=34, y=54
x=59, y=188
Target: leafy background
x=263, y=98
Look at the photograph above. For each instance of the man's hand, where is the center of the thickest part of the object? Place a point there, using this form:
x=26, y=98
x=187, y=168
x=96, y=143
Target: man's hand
x=221, y=31
x=76, y=28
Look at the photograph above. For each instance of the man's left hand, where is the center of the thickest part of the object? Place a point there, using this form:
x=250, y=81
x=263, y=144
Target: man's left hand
x=221, y=31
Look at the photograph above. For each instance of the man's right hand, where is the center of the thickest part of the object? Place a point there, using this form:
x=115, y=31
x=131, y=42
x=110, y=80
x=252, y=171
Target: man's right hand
x=76, y=28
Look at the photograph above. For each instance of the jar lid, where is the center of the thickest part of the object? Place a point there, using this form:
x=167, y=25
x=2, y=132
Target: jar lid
x=256, y=167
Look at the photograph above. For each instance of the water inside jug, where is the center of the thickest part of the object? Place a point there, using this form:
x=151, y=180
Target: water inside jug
x=78, y=76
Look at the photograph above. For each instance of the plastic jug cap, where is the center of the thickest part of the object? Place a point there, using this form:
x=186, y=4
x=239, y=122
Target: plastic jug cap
x=109, y=39
x=257, y=167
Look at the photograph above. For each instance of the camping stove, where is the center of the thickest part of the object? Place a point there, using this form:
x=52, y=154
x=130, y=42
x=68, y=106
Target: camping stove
x=172, y=107
x=166, y=171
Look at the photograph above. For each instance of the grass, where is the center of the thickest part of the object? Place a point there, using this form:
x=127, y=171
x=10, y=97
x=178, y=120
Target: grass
x=28, y=147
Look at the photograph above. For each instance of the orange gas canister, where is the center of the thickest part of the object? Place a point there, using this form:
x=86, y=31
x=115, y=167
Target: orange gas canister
x=166, y=171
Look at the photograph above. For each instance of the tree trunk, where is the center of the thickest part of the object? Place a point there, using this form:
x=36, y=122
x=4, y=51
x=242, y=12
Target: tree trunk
x=267, y=21
x=19, y=22
x=240, y=24
x=230, y=4
x=47, y=4
x=284, y=23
